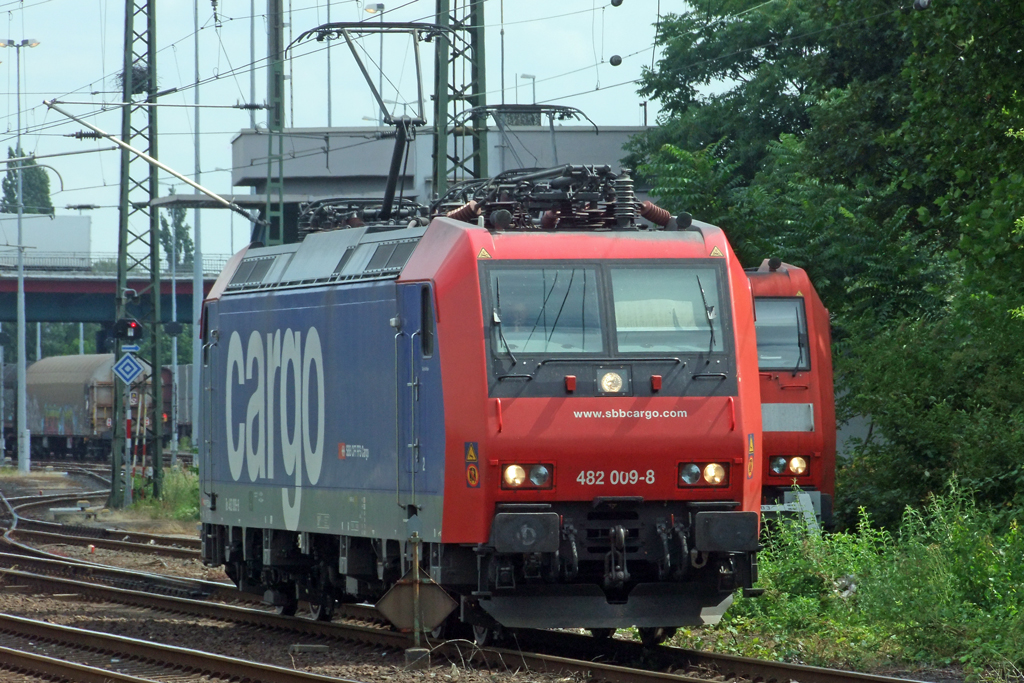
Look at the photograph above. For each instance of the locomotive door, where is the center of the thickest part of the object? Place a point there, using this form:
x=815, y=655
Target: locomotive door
x=203, y=432
x=413, y=344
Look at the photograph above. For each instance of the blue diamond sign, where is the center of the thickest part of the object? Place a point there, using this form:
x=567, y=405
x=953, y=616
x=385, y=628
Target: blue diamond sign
x=128, y=368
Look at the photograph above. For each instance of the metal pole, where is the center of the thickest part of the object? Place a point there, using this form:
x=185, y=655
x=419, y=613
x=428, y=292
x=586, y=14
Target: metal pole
x=39, y=341
x=252, y=58
x=329, y=69
x=125, y=147
x=156, y=451
x=23, y=434
x=81, y=340
x=3, y=414
x=502, y=21
x=417, y=619
x=554, y=147
x=174, y=345
x=380, y=80
x=197, y=257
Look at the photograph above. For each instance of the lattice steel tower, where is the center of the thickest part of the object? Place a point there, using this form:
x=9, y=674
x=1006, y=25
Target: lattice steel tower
x=138, y=249
x=460, y=83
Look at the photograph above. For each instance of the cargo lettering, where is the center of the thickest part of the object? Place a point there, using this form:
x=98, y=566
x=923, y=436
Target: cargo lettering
x=298, y=370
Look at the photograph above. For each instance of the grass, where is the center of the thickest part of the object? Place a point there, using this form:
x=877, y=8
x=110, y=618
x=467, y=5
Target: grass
x=947, y=590
x=180, y=499
x=45, y=478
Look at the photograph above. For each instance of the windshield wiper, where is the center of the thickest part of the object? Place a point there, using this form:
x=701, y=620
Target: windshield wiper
x=496, y=315
x=799, y=343
x=709, y=313
x=568, y=290
x=543, y=312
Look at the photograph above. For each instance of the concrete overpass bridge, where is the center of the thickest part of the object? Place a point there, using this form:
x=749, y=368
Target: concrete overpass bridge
x=80, y=289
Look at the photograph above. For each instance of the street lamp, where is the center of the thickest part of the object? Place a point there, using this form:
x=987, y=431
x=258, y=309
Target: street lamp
x=405, y=105
x=533, y=81
x=22, y=421
x=378, y=8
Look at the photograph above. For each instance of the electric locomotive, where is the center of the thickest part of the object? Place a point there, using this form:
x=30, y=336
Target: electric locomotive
x=555, y=400
x=794, y=347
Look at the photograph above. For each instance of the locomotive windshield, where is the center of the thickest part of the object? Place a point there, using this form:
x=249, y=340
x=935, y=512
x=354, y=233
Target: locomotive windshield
x=574, y=309
x=667, y=309
x=546, y=310
x=781, y=327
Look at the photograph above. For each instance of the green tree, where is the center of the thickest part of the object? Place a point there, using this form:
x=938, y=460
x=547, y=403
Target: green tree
x=176, y=233
x=35, y=187
x=882, y=160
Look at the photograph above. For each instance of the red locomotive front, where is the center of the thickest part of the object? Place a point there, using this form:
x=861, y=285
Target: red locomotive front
x=798, y=403
x=602, y=423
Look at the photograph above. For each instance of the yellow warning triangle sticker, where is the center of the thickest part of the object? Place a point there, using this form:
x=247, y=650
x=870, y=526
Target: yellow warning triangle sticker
x=716, y=252
x=483, y=253
x=470, y=454
x=799, y=293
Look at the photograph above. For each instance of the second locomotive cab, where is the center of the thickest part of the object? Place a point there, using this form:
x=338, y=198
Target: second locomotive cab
x=561, y=401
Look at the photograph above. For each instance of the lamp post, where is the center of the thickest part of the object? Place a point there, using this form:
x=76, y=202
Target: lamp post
x=378, y=8
x=22, y=421
x=533, y=82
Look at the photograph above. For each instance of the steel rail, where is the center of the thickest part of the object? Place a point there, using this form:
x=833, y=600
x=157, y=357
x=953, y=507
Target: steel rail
x=19, y=502
x=159, y=583
x=175, y=659
x=673, y=658
x=103, y=533
x=212, y=610
x=69, y=539
x=18, y=660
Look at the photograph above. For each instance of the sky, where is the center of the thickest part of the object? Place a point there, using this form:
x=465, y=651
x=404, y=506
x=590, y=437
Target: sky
x=567, y=45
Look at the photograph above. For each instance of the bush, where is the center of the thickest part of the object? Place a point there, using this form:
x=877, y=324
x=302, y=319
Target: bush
x=948, y=589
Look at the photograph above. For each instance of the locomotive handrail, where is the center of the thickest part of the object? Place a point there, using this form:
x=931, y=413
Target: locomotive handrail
x=660, y=359
x=620, y=359
x=398, y=425
x=413, y=402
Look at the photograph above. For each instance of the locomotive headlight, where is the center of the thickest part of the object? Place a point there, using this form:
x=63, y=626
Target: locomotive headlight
x=797, y=465
x=778, y=465
x=611, y=382
x=540, y=475
x=714, y=474
x=689, y=473
x=514, y=476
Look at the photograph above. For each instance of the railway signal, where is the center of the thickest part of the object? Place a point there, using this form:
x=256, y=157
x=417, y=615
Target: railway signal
x=127, y=328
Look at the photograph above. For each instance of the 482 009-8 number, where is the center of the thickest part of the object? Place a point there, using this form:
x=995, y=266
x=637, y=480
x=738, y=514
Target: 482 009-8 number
x=615, y=477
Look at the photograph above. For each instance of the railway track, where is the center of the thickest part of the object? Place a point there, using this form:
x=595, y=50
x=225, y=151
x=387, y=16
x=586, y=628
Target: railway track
x=44, y=532
x=613, y=660
x=83, y=655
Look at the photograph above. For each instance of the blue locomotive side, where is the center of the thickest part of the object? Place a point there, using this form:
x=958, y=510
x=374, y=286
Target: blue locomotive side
x=311, y=422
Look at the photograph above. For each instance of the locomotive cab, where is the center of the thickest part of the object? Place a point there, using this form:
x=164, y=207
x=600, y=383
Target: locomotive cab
x=797, y=396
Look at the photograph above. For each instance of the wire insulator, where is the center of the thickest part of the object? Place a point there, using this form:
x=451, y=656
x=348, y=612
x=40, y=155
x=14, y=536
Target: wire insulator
x=625, y=199
x=467, y=212
x=655, y=213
